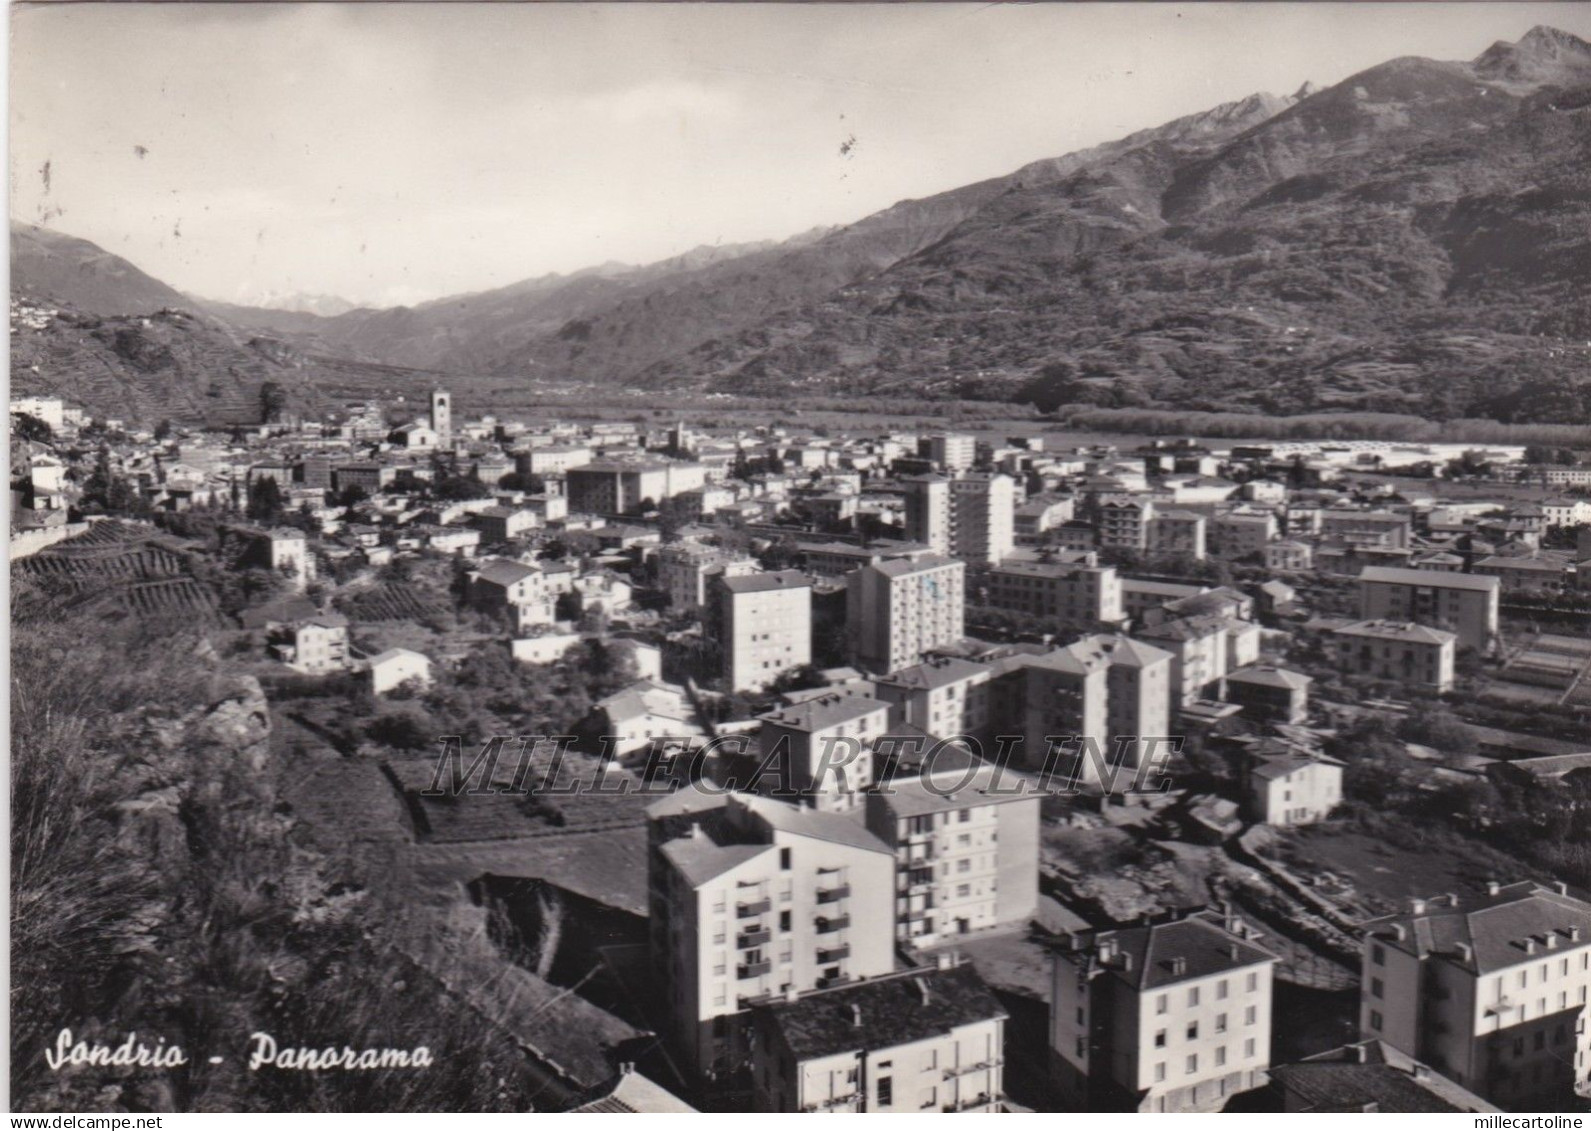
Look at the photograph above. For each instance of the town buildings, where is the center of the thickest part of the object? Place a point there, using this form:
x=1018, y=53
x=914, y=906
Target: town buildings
x=1462, y=603
x=1490, y=991
x=764, y=623
x=899, y=609
x=1165, y=1017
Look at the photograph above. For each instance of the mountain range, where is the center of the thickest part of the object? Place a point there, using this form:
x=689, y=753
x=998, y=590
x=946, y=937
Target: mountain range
x=1411, y=239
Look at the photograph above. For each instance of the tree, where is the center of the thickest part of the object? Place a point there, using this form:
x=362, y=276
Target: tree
x=29, y=427
x=273, y=399
x=265, y=501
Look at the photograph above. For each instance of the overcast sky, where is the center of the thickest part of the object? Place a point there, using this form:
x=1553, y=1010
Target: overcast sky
x=392, y=153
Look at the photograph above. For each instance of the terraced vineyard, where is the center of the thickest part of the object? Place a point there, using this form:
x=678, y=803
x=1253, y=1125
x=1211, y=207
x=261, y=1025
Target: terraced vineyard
x=390, y=601
x=126, y=566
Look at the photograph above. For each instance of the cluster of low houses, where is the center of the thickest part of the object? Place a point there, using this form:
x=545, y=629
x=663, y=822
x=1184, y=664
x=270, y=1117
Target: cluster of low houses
x=785, y=983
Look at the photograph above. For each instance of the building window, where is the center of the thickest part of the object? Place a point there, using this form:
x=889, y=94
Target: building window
x=1220, y=1023
x=1193, y=996
x=1220, y=990
x=1160, y=1038
x=1220, y=1056
x=1376, y=988
x=1248, y=1047
x=1375, y=1020
x=784, y=859
x=1249, y=1015
x=1160, y=1072
x=1193, y=1030
x=1161, y=1003
x=1252, y=983
x=886, y=1091
x=1193, y=1063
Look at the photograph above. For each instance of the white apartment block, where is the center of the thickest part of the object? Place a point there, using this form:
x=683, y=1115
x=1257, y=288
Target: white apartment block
x=1170, y=1016
x=824, y=747
x=898, y=610
x=764, y=623
x=1124, y=521
x=1490, y=992
x=929, y=1040
x=1291, y=788
x=952, y=451
x=971, y=517
x=684, y=570
x=966, y=858
x=943, y=696
x=1398, y=650
x=1462, y=603
x=751, y=900
x=1085, y=597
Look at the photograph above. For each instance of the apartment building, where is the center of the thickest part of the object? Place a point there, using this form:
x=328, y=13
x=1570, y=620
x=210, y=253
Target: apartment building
x=1270, y=693
x=764, y=624
x=1182, y=533
x=750, y=900
x=685, y=569
x=1380, y=529
x=822, y=747
x=551, y=459
x=503, y=587
x=1109, y=693
x=1200, y=648
x=1490, y=991
x=1033, y=520
x=617, y=486
x=1288, y=556
x=929, y=1040
x=1165, y=1017
x=1410, y=653
x=1124, y=521
x=971, y=516
x=966, y=856
x=899, y=609
x=944, y=696
x=1086, y=597
x=1240, y=534
x=950, y=451
x=1462, y=603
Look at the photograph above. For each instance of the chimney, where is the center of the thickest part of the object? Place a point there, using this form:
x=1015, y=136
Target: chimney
x=626, y=1068
x=1574, y=934
x=1232, y=951
x=1126, y=962
x=1179, y=965
x=1421, y=1072
x=1560, y=887
x=1551, y=940
x=1465, y=952
x=923, y=992
x=1400, y=932
x=791, y=994
x=856, y=1016
x=1493, y=887
x=947, y=960
x=1361, y=1053
x=1530, y=946
x=1416, y=907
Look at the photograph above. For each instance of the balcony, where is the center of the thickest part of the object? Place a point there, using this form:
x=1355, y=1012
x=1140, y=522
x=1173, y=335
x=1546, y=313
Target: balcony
x=753, y=969
x=981, y=1100
x=750, y=910
x=831, y=1103
x=834, y=953
x=967, y=1069
x=758, y=937
x=834, y=894
x=837, y=923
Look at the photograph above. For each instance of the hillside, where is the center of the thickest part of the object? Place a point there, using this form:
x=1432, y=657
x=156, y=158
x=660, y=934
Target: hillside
x=1411, y=239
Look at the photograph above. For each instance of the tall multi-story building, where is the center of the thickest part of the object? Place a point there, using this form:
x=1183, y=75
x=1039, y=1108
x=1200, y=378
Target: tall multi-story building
x=1172, y=1016
x=1198, y=646
x=916, y=1041
x=1462, y=603
x=1241, y=534
x=1489, y=991
x=966, y=856
x=1085, y=597
x=764, y=624
x=1108, y=695
x=899, y=609
x=971, y=516
x=1124, y=521
x=752, y=900
x=822, y=747
x=951, y=451
x=685, y=569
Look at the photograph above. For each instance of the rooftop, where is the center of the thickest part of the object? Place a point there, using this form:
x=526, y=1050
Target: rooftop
x=883, y=1013
x=766, y=582
x=1511, y=924
x=1182, y=950
x=824, y=711
x=1431, y=579
x=1372, y=1075
x=1397, y=630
